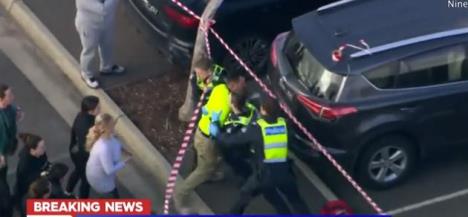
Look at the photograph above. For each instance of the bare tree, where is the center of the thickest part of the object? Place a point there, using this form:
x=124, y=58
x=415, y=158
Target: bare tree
x=199, y=51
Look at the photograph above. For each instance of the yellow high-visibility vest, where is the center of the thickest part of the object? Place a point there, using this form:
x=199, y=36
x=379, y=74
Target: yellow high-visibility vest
x=215, y=79
x=219, y=102
x=242, y=120
x=275, y=140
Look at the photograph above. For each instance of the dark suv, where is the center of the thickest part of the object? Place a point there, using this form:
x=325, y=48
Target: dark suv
x=248, y=26
x=377, y=110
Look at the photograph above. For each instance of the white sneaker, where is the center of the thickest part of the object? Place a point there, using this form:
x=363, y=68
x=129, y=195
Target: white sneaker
x=114, y=70
x=90, y=81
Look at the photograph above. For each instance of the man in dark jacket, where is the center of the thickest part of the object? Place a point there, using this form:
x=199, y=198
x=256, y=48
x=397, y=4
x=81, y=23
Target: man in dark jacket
x=83, y=122
x=268, y=136
x=9, y=114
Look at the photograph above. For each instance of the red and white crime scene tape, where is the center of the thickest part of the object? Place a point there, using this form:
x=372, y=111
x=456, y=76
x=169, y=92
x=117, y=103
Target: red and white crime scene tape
x=180, y=155
x=189, y=132
x=205, y=26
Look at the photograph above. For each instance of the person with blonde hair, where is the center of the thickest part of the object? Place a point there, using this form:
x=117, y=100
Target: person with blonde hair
x=105, y=156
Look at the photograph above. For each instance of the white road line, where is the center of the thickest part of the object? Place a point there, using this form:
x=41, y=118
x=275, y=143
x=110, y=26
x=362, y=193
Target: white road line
x=314, y=179
x=428, y=202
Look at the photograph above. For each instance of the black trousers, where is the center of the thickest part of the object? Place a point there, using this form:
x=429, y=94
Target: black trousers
x=237, y=159
x=6, y=206
x=270, y=182
x=115, y=194
x=79, y=174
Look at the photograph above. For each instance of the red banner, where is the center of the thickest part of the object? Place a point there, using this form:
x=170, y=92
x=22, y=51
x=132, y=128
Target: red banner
x=89, y=206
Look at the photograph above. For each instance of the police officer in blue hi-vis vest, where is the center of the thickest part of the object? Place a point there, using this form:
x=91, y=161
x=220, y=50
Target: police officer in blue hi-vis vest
x=269, y=137
x=237, y=156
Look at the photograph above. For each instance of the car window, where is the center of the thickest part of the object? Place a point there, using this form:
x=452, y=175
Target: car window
x=384, y=77
x=320, y=82
x=432, y=68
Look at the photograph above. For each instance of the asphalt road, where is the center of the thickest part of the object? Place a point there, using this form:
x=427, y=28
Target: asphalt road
x=437, y=187
x=17, y=54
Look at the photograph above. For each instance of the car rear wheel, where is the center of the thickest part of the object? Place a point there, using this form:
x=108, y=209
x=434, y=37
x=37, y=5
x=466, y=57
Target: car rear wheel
x=386, y=162
x=253, y=50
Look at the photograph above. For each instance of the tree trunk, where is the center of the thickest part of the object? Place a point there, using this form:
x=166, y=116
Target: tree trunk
x=199, y=51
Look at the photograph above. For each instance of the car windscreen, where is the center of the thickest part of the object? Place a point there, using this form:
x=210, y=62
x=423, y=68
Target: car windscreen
x=320, y=82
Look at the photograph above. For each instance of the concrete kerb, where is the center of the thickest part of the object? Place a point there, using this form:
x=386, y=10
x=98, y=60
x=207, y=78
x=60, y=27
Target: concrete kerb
x=144, y=154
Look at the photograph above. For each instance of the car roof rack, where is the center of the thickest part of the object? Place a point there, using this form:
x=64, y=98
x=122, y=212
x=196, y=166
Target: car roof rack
x=410, y=41
x=333, y=5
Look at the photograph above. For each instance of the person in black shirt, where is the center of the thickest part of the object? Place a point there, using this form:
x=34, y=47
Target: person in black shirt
x=268, y=137
x=83, y=122
x=32, y=162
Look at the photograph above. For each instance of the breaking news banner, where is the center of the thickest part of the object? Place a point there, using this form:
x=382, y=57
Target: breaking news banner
x=88, y=207
x=110, y=208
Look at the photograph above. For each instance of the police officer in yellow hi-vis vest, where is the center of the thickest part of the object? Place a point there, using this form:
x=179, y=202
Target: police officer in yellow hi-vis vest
x=207, y=75
x=237, y=156
x=268, y=136
x=213, y=117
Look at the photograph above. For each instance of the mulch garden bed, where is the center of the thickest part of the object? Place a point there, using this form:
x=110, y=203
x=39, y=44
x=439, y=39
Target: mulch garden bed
x=153, y=105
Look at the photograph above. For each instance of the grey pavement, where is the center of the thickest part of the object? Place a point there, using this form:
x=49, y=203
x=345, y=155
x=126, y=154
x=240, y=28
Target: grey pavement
x=18, y=54
x=40, y=117
x=134, y=45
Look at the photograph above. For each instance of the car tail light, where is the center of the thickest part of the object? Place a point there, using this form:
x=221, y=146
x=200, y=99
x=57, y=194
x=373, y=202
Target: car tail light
x=273, y=55
x=184, y=20
x=329, y=113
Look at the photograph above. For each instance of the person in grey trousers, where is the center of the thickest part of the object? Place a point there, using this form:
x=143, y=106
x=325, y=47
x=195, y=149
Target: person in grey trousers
x=95, y=21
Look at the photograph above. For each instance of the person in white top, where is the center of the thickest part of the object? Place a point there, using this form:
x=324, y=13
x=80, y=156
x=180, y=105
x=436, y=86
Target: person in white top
x=95, y=22
x=105, y=156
